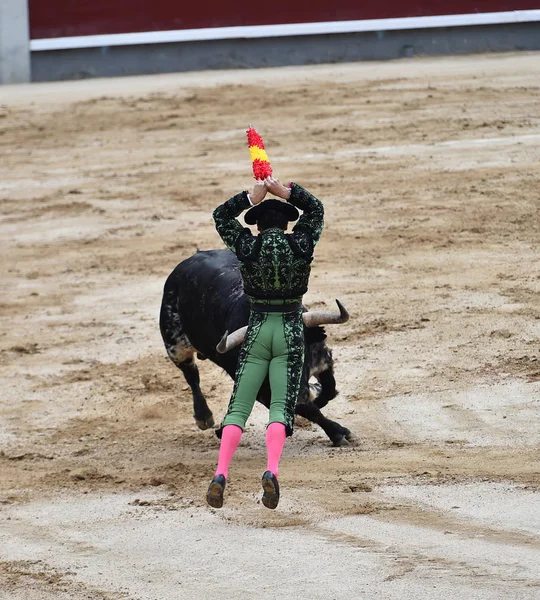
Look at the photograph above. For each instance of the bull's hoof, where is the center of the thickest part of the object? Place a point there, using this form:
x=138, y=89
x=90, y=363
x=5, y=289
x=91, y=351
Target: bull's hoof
x=207, y=423
x=343, y=438
x=349, y=436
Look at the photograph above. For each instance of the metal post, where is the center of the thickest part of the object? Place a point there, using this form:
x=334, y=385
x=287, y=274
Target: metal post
x=14, y=42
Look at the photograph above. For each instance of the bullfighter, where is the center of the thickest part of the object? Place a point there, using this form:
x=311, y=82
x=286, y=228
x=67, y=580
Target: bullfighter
x=275, y=268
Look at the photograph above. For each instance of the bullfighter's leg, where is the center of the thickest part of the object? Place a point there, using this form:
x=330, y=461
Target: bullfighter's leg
x=286, y=367
x=285, y=374
x=251, y=371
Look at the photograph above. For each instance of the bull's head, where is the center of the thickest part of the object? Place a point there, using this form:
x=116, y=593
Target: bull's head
x=311, y=319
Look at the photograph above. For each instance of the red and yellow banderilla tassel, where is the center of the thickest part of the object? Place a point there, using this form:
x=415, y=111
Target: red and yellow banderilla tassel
x=259, y=158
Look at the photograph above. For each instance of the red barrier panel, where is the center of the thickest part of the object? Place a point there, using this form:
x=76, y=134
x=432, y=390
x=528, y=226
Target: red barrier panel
x=60, y=18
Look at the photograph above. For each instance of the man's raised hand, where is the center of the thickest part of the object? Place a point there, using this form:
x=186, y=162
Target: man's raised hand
x=259, y=191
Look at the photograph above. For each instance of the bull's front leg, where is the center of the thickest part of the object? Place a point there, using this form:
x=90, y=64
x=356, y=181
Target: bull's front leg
x=339, y=435
x=327, y=389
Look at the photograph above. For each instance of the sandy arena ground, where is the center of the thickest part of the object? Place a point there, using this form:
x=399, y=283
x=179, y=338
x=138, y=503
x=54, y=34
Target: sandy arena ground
x=429, y=173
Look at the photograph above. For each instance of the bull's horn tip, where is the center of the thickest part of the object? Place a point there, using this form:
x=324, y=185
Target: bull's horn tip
x=344, y=312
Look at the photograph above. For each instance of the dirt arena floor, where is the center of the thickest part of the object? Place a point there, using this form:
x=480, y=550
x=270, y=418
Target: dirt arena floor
x=428, y=169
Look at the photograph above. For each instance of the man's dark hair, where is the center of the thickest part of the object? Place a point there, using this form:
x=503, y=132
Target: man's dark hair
x=272, y=218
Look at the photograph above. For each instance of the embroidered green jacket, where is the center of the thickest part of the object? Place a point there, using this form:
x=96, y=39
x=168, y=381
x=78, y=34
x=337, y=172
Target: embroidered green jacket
x=274, y=265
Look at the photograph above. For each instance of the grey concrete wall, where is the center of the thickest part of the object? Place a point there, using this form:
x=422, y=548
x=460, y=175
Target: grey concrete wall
x=269, y=52
x=14, y=42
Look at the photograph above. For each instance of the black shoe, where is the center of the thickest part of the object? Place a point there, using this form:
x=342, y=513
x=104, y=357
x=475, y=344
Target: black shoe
x=270, y=487
x=214, y=495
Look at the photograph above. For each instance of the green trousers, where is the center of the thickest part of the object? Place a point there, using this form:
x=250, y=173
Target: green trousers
x=274, y=346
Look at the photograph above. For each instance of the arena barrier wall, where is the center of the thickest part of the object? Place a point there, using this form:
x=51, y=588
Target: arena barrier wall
x=81, y=39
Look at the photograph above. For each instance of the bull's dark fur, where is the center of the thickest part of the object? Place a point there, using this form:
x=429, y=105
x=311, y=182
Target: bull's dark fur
x=203, y=297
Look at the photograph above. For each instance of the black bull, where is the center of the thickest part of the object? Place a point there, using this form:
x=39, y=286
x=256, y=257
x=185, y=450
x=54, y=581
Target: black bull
x=202, y=298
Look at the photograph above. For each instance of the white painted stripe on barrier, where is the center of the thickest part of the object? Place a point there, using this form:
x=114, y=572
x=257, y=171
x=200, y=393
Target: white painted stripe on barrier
x=284, y=30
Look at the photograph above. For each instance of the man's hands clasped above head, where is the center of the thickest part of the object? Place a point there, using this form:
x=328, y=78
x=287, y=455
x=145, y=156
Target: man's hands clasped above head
x=277, y=188
x=272, y=185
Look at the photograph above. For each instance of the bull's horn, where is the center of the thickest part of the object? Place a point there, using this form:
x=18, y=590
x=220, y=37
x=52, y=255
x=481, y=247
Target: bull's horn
x=312, y=319
x=228, y=342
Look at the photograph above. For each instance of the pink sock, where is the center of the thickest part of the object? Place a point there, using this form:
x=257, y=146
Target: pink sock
x=230, y=438
x=275, y=440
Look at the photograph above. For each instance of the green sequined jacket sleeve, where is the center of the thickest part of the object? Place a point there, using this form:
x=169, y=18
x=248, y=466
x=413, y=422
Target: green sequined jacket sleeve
x=311, y=222
x=227, y=225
